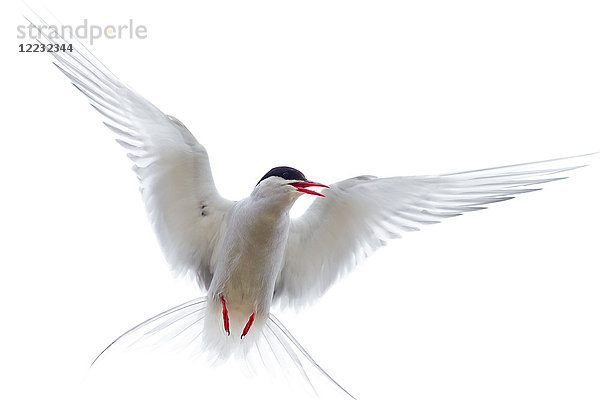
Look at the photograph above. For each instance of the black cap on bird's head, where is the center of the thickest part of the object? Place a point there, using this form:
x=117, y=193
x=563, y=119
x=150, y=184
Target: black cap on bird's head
x=287, y=173
x=299, y=180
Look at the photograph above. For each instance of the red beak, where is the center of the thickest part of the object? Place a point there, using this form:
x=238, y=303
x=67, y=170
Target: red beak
x=302, y=186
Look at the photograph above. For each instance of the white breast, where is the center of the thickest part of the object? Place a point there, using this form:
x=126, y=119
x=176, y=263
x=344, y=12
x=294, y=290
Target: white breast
x=251, y=256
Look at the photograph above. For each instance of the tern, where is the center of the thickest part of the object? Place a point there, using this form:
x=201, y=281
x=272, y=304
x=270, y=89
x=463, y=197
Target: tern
x=248, y=255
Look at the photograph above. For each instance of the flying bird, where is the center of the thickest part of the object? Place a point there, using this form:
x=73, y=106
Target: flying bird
x=248, y=255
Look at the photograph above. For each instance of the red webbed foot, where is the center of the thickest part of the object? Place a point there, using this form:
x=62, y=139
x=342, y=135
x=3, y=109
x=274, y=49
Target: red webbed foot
x=248, y=325
x=225, y=316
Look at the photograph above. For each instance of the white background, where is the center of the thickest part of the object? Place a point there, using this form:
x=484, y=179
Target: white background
x=498, y=304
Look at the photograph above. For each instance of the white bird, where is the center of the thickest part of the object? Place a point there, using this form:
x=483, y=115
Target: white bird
x=248, y=254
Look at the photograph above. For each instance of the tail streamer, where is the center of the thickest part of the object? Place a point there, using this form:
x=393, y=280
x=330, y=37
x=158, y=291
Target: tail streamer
x=190, y=317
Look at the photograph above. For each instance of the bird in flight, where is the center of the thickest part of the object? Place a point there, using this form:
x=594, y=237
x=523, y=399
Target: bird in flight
x=248, y=255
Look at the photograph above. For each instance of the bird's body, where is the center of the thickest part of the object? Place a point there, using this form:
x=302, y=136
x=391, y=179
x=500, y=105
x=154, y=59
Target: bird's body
x=250, y=258
x=249, y=254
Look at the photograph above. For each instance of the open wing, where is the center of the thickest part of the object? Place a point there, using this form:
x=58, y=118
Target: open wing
x=175, y=178
x=359, y=215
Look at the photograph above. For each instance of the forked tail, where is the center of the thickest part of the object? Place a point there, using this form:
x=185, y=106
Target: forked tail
x=185, y=325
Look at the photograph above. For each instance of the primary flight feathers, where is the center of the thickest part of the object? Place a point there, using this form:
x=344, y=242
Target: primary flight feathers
x=357, y=216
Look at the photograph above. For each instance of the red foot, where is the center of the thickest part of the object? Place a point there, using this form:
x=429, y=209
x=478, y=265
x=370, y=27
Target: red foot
x=248, y=325
x=225, y=316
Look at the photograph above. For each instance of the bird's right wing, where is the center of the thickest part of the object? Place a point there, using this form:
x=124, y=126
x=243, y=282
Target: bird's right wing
x=359, y=215
x=176, y=182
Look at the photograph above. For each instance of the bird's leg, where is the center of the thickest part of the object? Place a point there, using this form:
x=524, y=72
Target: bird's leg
x=248, y=325
x=225, y=316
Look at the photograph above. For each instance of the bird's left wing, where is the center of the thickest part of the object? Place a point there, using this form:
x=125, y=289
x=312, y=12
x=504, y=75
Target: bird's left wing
x=176, y=182
x=359, y=215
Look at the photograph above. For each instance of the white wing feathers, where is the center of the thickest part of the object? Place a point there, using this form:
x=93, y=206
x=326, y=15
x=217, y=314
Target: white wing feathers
x=173, y=168
x=359, y=215
x=336, y=233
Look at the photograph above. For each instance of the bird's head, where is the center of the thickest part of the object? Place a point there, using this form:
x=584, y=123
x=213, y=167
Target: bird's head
x=286, y=183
